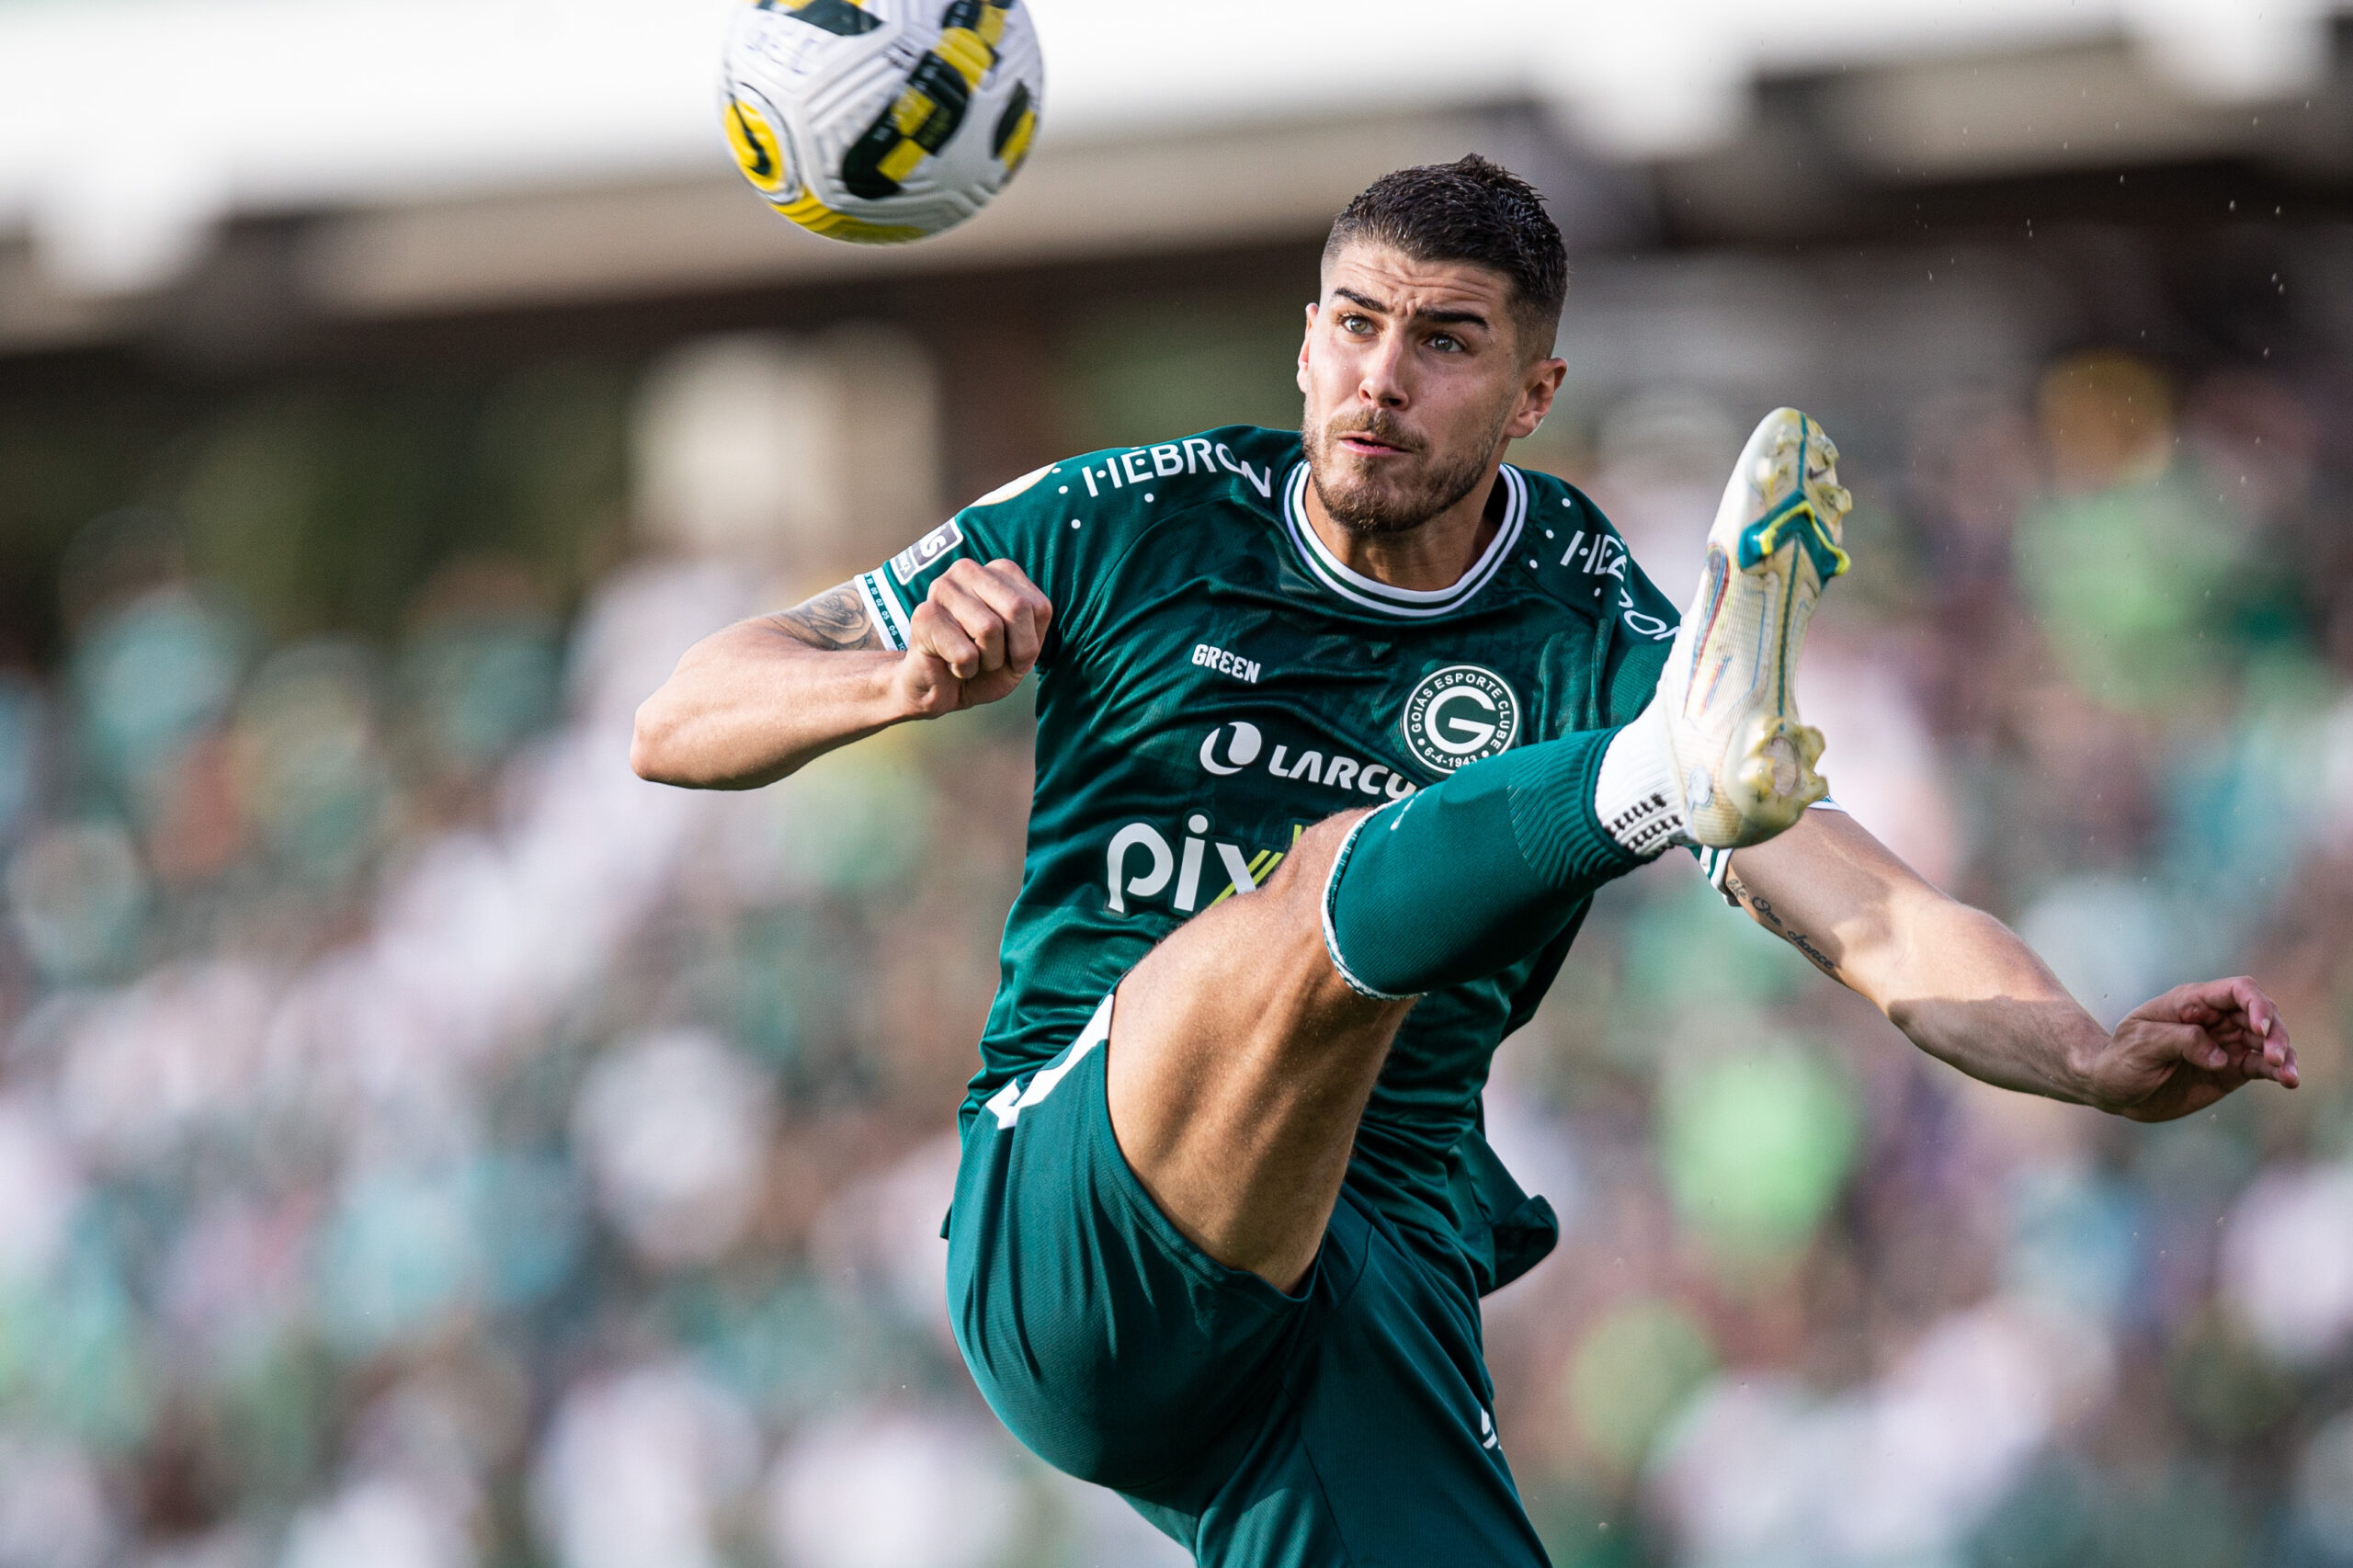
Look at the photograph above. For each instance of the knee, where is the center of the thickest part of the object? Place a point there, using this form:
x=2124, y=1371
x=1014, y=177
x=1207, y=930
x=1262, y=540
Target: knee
x=1275, y=938
x=1303, y=872
x=1298, y=889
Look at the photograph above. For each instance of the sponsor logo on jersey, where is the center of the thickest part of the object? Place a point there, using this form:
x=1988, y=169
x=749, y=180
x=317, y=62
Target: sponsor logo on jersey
x=918, y=557
x=1460, y=714
x=1218, y=659
x=1231, y=747
x=1603, y=554
x=1238, y=744
x=1142, y=864
x=1145, y=862
x=1140, y=466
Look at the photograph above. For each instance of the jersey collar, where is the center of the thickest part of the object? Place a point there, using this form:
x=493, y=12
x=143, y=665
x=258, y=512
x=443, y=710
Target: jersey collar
x=1411, y=603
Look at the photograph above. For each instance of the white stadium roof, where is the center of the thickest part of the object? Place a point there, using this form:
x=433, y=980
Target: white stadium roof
x=129, y=129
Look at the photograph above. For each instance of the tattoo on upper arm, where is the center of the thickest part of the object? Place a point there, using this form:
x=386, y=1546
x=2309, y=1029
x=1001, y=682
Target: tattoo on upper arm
x=836, y=620
x=1796, y=938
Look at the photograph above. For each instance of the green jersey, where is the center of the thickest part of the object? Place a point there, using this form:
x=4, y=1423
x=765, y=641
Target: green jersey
x=1215, y=680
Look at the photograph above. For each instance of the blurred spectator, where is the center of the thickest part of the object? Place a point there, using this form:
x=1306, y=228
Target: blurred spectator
x=2133, y=565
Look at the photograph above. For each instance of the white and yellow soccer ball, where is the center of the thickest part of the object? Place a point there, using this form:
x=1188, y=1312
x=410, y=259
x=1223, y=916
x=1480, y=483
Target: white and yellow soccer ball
x=879, y=121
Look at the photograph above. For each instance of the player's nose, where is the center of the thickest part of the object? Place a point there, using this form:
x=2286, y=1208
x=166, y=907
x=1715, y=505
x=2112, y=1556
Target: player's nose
x=1382, y=382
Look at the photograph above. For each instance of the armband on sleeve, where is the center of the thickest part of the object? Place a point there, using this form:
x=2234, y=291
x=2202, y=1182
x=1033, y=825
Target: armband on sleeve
x=893, y=590
x=885, y=608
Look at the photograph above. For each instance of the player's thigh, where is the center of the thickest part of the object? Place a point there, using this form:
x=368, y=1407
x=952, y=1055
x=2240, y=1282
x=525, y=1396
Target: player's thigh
x=1384, y=1452
x=1106, y=1340
x=1240, y=1064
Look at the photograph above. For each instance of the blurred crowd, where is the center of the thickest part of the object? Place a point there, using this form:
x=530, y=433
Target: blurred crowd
x=423, y=1145
x=1826, y=1303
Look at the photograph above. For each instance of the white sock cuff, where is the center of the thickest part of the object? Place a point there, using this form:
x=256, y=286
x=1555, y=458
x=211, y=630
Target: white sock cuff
x=1635, y=794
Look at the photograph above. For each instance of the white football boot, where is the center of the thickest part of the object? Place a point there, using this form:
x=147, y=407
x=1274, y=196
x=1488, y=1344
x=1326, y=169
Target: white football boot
x=1726, y=698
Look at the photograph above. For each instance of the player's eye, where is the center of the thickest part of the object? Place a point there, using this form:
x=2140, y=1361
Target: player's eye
x=1355, y=324
x=1446, y=343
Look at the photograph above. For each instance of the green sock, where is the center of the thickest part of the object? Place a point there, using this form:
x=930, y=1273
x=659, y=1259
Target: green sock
x=1473, y=874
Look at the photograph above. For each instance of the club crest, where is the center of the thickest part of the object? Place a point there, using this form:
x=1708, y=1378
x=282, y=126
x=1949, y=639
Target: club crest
x=1460, y=714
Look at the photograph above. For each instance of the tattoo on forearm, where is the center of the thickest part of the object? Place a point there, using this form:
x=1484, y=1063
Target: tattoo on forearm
x=834, y=620
x=1796, y=938
x=1815, y=955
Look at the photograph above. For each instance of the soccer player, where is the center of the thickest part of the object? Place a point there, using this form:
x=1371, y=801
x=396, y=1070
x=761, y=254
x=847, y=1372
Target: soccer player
x=1337, y=734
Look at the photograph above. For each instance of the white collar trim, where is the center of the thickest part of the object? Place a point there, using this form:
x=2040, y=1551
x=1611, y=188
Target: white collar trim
x=1372, y=593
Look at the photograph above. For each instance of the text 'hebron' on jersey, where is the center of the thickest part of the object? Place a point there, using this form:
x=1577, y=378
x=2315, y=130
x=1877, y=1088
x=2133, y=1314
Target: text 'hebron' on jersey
x=1140, y=466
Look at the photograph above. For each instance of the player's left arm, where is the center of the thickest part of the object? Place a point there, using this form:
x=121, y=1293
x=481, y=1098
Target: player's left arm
x=1966, y=990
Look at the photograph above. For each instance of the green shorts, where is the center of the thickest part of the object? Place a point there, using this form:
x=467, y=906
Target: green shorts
x=1347, y=1425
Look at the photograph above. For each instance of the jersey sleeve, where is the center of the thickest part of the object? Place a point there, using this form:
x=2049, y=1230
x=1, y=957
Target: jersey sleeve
x=1644, y=619
x=1645, y=633
x=1007, y=524
x=1060, y=540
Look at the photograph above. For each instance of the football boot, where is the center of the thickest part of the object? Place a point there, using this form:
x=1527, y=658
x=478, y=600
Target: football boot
x=1727, y=697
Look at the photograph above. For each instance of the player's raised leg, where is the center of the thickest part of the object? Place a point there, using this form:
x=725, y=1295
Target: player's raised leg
x=1240, y=1062
x=1245, y=1047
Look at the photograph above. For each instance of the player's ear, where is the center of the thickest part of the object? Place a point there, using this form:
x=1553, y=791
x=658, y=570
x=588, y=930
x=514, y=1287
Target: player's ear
x=1536, y=395
x=1306, y=340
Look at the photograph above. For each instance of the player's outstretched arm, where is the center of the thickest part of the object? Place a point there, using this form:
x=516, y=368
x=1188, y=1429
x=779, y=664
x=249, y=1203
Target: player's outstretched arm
x=1966, y=990
x=755, y=702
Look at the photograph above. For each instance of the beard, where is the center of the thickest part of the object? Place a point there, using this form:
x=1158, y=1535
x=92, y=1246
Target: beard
x=1391, y=504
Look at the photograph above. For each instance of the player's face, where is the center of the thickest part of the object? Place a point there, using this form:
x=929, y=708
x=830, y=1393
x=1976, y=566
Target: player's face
x=1415, y=379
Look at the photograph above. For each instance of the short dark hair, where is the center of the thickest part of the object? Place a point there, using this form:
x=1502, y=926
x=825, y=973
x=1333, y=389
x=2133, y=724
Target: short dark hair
x=1471, y=210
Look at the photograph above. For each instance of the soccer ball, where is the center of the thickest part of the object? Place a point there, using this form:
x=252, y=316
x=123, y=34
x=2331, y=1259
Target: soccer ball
x=879, y=121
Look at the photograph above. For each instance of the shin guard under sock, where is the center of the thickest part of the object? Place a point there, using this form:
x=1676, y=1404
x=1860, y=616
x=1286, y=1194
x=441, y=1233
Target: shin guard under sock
x=1473, y=874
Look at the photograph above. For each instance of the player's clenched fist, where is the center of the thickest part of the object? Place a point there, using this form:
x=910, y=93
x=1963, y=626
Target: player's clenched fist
x=974, y=637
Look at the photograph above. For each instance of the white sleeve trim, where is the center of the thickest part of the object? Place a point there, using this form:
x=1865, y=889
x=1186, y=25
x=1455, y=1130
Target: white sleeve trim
x=1716, y=864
